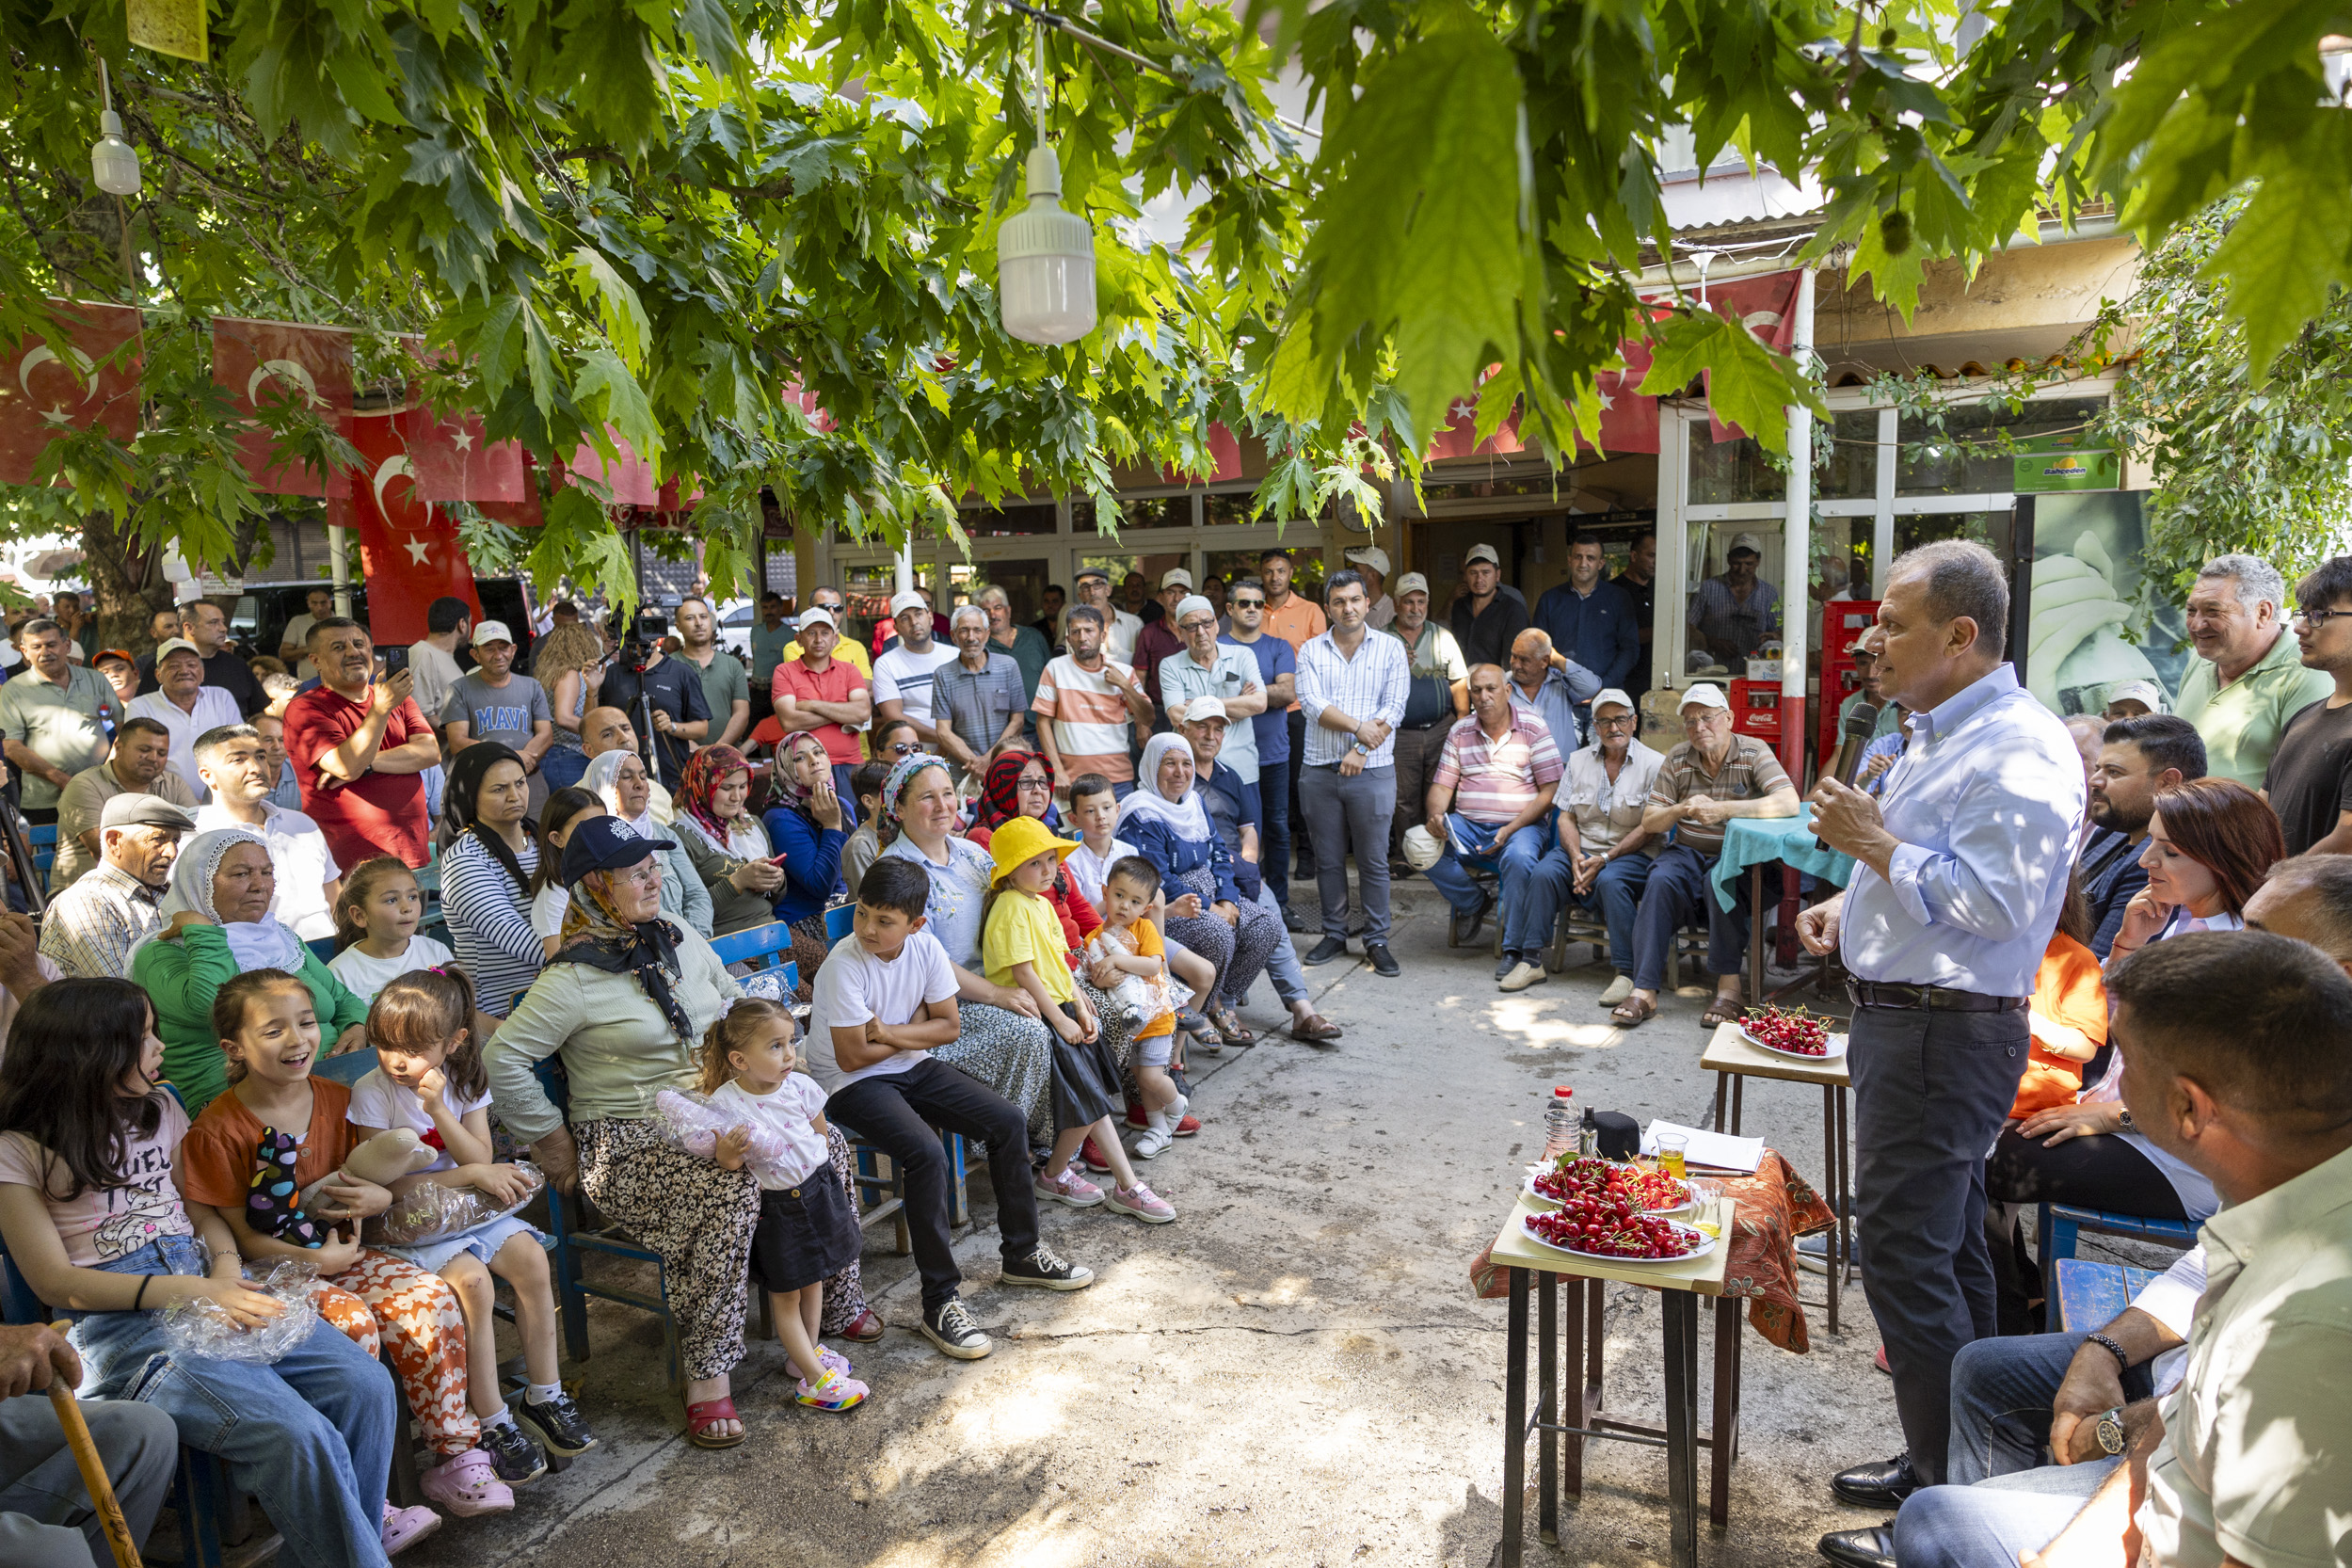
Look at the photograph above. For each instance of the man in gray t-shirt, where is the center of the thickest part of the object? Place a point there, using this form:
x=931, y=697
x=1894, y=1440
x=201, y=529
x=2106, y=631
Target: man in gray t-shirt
x=490, y=702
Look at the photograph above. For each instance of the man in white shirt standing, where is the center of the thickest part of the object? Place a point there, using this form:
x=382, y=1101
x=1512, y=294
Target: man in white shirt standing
x=433, y=659
x=184, y=705
x=319, y=604
x=904, y=677
x=234, y=763
x=1352, y=685
x=1962, y=872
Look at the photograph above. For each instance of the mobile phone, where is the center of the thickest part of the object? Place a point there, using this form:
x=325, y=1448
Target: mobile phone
x=396, y=659
x=778, y=860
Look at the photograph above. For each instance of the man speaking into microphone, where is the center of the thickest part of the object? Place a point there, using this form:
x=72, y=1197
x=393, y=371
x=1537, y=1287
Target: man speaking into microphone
x=1962, y=871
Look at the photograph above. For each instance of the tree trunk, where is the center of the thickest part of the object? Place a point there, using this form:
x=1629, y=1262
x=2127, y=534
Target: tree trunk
x=127, y=582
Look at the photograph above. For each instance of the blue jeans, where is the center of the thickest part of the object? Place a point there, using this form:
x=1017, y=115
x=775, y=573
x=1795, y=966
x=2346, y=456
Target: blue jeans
x=310, y=1435
x=1530, y=906
x=1274, y=828
x=1676, y=890
x=1616, y=894
x=1282, y=965
x=2002, y=1391
x=563, y=767
x=1992, y=1524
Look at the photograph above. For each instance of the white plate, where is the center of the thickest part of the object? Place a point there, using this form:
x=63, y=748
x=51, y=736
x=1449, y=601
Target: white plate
x=1706, y=1245
x=1837, y=1048
x=1689, y=1205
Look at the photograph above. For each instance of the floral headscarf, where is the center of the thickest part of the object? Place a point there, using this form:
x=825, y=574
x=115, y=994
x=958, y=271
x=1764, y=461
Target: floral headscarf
x=705, y=770
x=889, y=826
x=793, y=791
x=595, y=933
x=1000, y=791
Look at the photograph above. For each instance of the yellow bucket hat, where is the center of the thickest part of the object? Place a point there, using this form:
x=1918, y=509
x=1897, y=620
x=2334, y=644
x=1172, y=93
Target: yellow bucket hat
x=1023, y=838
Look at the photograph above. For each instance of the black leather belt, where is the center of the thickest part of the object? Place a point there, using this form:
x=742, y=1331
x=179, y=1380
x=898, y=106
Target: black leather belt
x=1930, y=998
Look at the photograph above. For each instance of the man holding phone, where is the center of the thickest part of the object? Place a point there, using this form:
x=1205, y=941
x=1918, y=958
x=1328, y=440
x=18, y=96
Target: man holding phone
x=358, y=745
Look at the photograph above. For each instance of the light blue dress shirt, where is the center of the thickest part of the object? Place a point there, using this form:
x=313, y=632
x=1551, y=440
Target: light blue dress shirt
x=1555, y=701
x=1988, y=803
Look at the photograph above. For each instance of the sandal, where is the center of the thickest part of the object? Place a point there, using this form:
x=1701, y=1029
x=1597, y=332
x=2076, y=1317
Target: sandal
x=1633, y=1011
x=1724, y=1010
x=1315, y=1029
x=708, y=1414
x=1229, y=1028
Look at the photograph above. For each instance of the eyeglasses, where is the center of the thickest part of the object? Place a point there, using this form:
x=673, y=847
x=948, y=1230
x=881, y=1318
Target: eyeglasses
x=1033, y=784
x=2319, y=617
x=1623, y=721
x=1247, y=603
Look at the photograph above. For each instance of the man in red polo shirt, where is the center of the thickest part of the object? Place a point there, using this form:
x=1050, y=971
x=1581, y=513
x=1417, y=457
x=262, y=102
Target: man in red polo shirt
x=824, y=696
x=357, y=746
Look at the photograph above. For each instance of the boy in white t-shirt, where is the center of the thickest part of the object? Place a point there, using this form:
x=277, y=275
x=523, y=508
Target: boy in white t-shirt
x=885, y=999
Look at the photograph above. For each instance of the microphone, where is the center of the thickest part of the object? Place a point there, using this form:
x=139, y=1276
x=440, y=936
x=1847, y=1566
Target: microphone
x=1853, y=739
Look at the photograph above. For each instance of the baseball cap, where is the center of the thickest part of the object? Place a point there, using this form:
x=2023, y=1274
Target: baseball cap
x=2138, y=691
x=1370, y=555
x=1085, y=573
x=1482, y=553
x=1746, y=542
x=173, y=644
x=817, y=614
x=491, y=631
x=1615, y=695
x=605, y=844
x=1021, y=838
x=138, y=811
x=1705, y=694
x=1411, y=582
x=1175, y=577
x=1422, y=848
x=910, y=599
x=1206, y=708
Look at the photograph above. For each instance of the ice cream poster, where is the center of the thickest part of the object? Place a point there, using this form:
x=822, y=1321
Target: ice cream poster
x=2094, y=621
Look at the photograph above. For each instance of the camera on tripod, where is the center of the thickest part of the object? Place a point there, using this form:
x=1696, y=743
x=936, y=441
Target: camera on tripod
x=637, y=638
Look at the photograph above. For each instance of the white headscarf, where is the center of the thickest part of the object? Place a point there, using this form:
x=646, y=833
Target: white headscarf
x=1188, y=818
x=603, y=769
x=263, y=944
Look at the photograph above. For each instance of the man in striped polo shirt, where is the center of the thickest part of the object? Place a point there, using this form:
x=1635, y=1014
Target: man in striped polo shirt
x=1090, y=705
x=1490, y=804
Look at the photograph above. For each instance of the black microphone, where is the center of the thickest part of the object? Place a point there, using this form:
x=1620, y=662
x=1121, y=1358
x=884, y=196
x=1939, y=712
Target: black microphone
x=1854, y=739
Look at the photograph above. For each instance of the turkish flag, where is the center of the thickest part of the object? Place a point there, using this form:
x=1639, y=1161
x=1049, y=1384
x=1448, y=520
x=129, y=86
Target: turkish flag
x=409, y=547
x=44, y=396
x=629, y=482
x=1628, y=420
x=1766, y=305
x=262, y=365
x=453, y=461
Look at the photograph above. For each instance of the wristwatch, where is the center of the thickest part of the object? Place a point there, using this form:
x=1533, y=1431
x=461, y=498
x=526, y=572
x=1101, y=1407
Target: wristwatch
x=2110, y=1432
x=2126, y=1123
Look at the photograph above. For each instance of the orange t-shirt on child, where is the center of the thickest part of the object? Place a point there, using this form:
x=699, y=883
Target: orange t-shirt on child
x=222, y=1150
x=2068, y=988
x=1147, y=945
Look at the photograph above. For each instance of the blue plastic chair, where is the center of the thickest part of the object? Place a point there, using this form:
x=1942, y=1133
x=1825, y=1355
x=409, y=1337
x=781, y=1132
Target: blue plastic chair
x=838, y=921
x=347, y=1068
x=2091, y=1295
x=2061, y=1226
x=322, y=948
x=753, y=946
x=41, y=839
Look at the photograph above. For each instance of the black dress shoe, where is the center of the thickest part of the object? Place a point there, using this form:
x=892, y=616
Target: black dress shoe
x=1870, y=1549
x=1325, y=951
x=1383, y=963
x=1882, y=1485
x=1291, y=922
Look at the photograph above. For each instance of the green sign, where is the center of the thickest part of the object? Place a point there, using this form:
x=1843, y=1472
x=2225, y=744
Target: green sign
x=2064, y=462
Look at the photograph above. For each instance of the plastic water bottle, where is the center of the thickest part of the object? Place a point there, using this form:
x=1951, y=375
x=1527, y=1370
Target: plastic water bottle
x=1559, y=1124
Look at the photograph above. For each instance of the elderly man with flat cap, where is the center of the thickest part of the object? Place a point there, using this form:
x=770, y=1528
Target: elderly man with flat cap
x=92, y=927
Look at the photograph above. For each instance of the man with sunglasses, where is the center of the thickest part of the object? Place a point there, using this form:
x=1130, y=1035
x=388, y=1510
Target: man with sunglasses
x=2310, y=779
x=1278, y=672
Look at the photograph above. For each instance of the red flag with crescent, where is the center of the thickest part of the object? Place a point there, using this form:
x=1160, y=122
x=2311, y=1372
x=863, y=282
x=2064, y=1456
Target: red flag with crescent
x=47, y=391
x=408, y=546
x=263, y=366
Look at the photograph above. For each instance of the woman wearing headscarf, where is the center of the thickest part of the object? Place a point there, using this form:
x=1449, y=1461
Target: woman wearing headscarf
x=624, y=1005
x=1004, y=1043
x=808, y=824
x=1168, y=823
x=216, y=924
x=620, y=780
x=727, y=845
x=486, y=874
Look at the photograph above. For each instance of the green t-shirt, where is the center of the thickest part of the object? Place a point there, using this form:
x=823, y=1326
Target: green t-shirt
x=725, y=682
x=2241, y=723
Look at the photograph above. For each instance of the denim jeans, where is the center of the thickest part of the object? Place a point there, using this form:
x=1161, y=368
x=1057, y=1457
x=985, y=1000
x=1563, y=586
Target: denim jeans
x=1530, y=906
x=2002, y=1391
x=563, y=767
x=1274, y=828
x=1677, y=890
x=309, y=1435
x=1995, y=1523
x=1616, y=894
x=1282, y=967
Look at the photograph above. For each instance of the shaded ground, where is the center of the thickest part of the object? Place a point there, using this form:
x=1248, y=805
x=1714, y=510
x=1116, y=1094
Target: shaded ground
x=1293, y=1372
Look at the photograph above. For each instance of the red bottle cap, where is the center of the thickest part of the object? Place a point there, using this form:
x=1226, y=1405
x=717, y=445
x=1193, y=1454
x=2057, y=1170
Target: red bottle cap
x=1563, y=1092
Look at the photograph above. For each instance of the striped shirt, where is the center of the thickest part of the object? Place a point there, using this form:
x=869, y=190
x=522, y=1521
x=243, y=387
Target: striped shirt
x=92, y=927
x=1371, y=685
x=1089, y=718
x=1750, y=771
x=905, y=676
x=1493, y=780
x=490, y=921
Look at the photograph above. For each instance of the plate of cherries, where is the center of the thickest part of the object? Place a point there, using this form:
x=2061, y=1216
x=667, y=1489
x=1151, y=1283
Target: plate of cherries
x=1611, y=1229
x=1576, y=1176
x=1787, y=1032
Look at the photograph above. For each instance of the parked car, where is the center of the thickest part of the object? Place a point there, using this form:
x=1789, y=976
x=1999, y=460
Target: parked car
x=736, y=619
x=262, y=612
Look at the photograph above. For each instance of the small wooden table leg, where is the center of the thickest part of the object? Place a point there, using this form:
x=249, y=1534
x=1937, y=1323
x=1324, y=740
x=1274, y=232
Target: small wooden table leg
x=1723, y=1421
x=1547, y=1410
x=1681, y=1310
x=1514, y=1418
x=1722, y=1087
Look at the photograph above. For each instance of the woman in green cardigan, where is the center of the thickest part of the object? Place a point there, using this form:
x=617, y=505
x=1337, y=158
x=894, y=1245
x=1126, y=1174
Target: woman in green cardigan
x=218, y=923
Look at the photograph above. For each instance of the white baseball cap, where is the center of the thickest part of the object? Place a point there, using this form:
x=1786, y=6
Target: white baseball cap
x=491, y=631
x=908, y=600
x=817, y=614
x=1411, y=582
x=1611, y=694
x=2138, y=691
x=170, y=646
x=1422, y=849
x=1704, y=695
x=1206, y=708
x=1175, y=577
x=1370, y=555
x=1482, y=553
x=1746, y=542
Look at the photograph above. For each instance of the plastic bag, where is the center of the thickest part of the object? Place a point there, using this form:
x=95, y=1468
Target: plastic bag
x=1139, y=999
x=201, y=1326
x=695, y=1127
x=429, y=1211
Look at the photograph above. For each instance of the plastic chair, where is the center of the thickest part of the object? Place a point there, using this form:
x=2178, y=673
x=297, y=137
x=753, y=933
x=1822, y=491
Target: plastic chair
x=2061, y=1226
x=41, y=839
x=838, y=921
x=2090, y=1295
x=568, y=1222
x=760, y=943
x=323, y=948
x=347, y=1068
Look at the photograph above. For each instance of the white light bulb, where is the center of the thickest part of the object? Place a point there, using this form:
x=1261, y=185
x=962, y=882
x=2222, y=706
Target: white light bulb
x=1046, y=261
x=113, y=162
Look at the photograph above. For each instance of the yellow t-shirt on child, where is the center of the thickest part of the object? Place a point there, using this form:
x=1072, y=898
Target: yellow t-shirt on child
x=1023, y=928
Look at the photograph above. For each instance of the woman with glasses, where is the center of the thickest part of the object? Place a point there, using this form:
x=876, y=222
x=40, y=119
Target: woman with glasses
x=808, y=824
x=569, y=661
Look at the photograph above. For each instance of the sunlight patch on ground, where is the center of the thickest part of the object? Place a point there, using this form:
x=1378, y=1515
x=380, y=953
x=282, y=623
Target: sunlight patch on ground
x=997, y=1426
x=1526, y=1019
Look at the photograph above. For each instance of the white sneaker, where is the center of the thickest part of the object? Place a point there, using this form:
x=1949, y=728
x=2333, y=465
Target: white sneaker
x=1527, y=974
x=1159, y=1133
x=1618, y=989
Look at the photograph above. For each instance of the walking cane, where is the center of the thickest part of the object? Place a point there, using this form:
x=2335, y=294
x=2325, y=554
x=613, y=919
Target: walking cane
x=126, y=1551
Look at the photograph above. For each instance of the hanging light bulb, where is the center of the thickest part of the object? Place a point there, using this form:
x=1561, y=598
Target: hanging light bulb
x=114, y=163
x=1045, y=256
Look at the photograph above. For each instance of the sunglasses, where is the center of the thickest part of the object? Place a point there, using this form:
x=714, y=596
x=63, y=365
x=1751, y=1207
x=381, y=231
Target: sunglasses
x=903, y=748
x=1248, y=603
